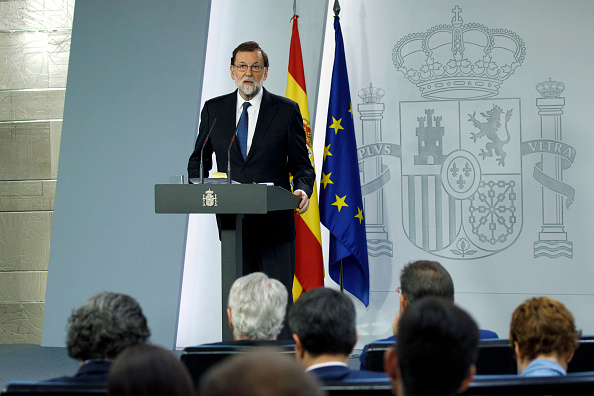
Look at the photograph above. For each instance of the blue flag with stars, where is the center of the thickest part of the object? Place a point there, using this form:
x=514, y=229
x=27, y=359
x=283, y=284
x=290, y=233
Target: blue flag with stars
x=341, y=203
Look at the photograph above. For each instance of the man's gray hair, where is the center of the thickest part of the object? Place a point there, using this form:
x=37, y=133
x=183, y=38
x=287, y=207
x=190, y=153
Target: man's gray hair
x=258, y=304
x=105, y=325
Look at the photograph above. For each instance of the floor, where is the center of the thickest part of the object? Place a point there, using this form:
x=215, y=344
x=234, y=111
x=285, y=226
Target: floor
x=25, y=362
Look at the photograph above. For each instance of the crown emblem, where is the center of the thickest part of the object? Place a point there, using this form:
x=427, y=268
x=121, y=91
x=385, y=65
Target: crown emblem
x=550, y=89
x=371, y=94
x=459, y=60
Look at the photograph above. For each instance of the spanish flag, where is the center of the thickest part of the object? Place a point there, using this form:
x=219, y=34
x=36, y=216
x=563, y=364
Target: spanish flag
x=309, y=265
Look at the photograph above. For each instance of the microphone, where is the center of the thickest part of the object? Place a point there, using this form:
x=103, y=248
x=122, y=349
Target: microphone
x=229, y=154
x=202, y=151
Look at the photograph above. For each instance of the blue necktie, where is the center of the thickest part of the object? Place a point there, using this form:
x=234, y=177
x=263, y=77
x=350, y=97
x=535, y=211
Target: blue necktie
x=242, y=129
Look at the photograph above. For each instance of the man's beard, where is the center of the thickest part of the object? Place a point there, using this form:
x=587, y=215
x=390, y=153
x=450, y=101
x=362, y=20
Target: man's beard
x=250, y=90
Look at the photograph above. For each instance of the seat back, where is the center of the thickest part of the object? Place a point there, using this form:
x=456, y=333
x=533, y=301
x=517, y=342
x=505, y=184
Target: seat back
x=199, y=359
x=495, y=357
x=574, y=384
x=583, y=359
x=359, y=387
x=22, y=388
x=374, y=355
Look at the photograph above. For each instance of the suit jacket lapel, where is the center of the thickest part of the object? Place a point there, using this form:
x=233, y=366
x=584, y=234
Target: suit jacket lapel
x=265, y=116
x=229, y=115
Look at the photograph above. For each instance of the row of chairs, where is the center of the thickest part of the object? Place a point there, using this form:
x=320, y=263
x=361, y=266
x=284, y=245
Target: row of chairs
x=574, y=384
x=496, y=369
x=495, y=357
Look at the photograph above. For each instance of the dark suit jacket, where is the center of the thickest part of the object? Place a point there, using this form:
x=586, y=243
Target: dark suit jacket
x=94, y=372
x=339, y=373
x=278, y=147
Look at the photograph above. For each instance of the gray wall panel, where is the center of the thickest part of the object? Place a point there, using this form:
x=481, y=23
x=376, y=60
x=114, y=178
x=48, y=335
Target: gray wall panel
x=130, y=117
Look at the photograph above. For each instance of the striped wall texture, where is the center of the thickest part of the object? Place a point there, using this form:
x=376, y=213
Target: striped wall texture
x=34, y=49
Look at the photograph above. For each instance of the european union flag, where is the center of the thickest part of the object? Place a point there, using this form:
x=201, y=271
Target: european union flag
x=341, y=203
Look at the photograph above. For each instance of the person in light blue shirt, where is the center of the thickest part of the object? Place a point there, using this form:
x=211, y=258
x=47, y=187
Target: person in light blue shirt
x=543, y=336
x=544, y=368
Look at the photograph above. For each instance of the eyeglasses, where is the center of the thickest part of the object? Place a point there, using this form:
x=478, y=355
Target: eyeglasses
x=243, y=67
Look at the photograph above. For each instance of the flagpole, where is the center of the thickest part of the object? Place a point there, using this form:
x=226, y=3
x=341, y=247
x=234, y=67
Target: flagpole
x=341, y=281
x=336, y=9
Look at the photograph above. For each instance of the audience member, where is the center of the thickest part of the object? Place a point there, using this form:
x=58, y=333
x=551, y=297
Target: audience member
x=256, y=308
x=436, y=350
x=260, y=373
x=323, y=323
x=543, y=337
x=99, y=330
x=148, y=370
x=419, y=279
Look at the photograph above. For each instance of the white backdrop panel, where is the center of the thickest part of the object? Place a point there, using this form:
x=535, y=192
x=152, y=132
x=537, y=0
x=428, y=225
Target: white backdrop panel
x=493, y=270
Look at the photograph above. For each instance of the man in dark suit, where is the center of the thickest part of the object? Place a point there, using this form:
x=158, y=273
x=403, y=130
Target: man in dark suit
x=270, y=145
x=419, y=279
x=436, y=350
x=323, y=323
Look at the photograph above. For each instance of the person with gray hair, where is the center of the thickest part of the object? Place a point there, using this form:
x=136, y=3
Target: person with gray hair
x=256, y=307
x=105, y=325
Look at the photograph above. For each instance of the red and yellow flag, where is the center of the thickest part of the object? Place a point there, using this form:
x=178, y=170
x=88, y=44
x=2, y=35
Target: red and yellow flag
x=309, y=265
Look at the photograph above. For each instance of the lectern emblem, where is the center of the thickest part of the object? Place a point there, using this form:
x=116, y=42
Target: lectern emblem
x=209, y=198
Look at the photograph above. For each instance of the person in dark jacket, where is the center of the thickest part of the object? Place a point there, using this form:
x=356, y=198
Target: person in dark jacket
x=105, y=325
x=419, y=279
x=436, y=350
x=323, y=324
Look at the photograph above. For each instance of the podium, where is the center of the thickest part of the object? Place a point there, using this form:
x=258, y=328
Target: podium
x=231, y=202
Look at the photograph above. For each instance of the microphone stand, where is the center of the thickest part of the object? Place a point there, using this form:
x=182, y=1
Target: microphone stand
x=229, y=154
x=202, y=152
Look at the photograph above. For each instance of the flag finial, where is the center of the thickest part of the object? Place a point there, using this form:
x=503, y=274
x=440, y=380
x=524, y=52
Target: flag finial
x=336, y=8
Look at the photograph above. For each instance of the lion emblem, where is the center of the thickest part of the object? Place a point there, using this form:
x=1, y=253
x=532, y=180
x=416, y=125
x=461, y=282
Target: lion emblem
x=490, y=128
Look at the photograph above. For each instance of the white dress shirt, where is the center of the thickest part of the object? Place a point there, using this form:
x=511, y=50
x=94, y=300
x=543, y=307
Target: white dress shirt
x=252, y=112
